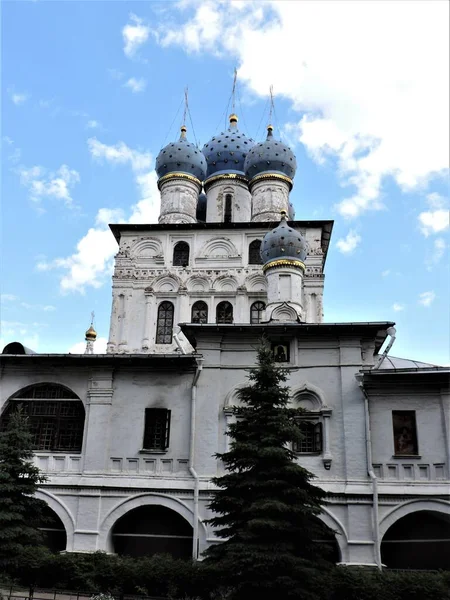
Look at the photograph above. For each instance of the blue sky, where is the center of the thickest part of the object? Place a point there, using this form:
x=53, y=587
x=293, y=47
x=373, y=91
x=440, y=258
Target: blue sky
x=92, y=90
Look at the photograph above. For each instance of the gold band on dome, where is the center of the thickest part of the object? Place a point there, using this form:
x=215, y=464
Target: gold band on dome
x=264, y=176
x=284, y=262
x=178, y=175
x=225, y=176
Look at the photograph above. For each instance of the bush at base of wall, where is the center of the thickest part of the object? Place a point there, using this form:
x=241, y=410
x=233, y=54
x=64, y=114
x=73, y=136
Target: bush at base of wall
x=166, y=577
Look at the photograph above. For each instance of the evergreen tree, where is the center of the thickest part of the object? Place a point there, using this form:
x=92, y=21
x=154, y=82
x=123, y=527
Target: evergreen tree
x=266, y=506
x=20, y=511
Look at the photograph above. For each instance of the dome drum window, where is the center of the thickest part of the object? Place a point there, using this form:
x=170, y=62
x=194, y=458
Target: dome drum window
x=181, y=254
x=164, y=326
x=254, y=253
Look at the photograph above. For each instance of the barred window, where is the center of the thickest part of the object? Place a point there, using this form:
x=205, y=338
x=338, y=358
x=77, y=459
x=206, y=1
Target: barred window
x=254, y=255
x=200, y=312
x=312, y=438
x=157, y=429
x=224, y=313
x=164, y=324
x=227, y=213
x=181, y=254
x=256, y=312
x=55, y=417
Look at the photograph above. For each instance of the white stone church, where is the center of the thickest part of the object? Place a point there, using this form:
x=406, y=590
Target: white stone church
x=127, y=439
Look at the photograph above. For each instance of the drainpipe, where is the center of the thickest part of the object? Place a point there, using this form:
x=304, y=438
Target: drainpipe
x=192, y=470
x=390, y=331
x=373, y=477
x=178, y=343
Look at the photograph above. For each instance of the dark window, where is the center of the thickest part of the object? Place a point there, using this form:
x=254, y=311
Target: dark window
x=157, y=429
x=254, y=255
x=181, y=254
x=256, y=311
x=165, y=323
x=312, y=438
x=405, y=432
x=224, y=313
x=55, y=417
x=227, y=213
x=200, y=312
x=280, y=352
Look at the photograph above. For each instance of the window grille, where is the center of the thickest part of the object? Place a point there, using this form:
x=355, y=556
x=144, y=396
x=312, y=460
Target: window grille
x=164, y=325
x=405, y=432
x=254, y=255
x=55, y=425
x=181, y=254
x=312, y=438
x=224, y=313
x=256, y=312
x=157, y=429
x=227, y=213
x=200, y=312
x=281, y=352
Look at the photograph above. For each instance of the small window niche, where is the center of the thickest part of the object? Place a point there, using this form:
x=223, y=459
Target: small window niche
x=405, y=433
x=281, y=352
x=156, y=430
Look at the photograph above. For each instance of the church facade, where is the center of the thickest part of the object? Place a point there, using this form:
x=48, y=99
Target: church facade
x=127, y=439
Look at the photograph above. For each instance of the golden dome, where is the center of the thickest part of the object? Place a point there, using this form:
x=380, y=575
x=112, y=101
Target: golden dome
x=91, y=334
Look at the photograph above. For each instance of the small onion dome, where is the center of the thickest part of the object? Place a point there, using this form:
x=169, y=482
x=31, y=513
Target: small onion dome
x=283, y=245
x=201, y=207
x=270, y=157
x=181, y=157
x=226, y=152
x=291, y=212
x=91, y=334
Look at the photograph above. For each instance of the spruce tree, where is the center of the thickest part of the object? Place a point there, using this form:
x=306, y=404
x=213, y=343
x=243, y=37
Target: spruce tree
x=20, y=511
x=266, y=506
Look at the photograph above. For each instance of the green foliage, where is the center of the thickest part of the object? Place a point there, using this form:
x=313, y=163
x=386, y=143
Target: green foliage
x=266, y=505
x=20, y=511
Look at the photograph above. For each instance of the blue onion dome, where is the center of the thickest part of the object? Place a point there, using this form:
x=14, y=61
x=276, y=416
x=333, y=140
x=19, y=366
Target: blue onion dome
x=271, y=157
x=226, y=152
x=201, y=207
x=283, y=245
x=182, y=158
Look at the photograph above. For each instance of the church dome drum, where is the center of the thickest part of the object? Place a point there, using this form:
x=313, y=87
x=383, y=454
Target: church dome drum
x=181, y=157
x=270, y=157
x=226, y=152
x=283, y=245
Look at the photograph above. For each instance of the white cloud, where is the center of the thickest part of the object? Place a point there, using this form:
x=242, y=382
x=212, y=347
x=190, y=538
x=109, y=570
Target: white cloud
x=17, y=98
x=426, y=298
x=134, y=35
x=92, y=124
x=8, y=297
x=42, y=184
x=437, y=218
x=376, y=104
x=25, y=333
x=92, y=262
x=386, y=273
x=120, y=154
x=435, y=255
x=80, y=347
x=136, y=85
x=398, y=307
x=348, y=244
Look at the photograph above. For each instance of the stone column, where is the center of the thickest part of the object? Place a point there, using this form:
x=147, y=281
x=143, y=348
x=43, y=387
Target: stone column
x=327, y=456
x=114, y=324
x=149, y=302
x=123, y=329
x=97, y=426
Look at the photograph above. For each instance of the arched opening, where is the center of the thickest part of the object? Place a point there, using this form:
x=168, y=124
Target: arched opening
x=420, y=540
x=224, y=313
x=181, y=254
x=227, y=211
x=326, y=538
x=55, y=537
x=55, y=416
x=200, y=312
x=149, y=530
x=164, y=326
x=254, y=255
x=256, y=312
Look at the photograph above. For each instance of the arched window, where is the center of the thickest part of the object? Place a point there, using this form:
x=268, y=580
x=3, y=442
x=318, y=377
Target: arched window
x=165, y=323
x=55, y=537
x=256, y=312
x=55, y=416
x=200, y=312
x=227, y=213
x=254, y=256
x=224, y=313
x=181, y=254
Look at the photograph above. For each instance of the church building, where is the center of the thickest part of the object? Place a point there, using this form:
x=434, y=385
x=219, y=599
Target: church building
x=127, y=439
